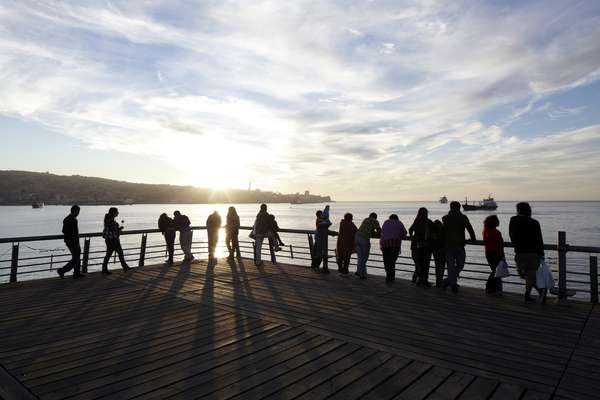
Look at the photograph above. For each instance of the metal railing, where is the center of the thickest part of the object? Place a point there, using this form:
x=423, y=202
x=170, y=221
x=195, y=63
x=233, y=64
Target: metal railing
x=31, y=263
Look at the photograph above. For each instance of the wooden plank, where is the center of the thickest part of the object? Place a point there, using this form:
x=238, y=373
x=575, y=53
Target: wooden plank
x=426, y=384
x=11, y=388
x=480, y=388
x=507, y=391
x=452, y=387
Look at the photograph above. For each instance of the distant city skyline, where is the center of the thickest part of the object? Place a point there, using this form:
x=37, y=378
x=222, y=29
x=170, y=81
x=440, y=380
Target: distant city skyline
x=364, y=100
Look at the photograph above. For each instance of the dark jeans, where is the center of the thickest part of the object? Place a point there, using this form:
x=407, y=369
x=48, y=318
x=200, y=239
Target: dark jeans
x=113, y=245
x=231, y=241
x=170, y=241
x=343, y=262
x=75, y=262
x=316, y=262
x=422, y=257
x=439, y=257
x=493, y=284
x=390, y=255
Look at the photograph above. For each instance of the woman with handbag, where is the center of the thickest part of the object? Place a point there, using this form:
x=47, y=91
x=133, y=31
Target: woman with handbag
x=494, y=252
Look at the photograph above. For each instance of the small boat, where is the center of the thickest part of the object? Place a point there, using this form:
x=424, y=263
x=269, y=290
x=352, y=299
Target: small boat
x=488, y=204
x=37, y=204
x=444, y=200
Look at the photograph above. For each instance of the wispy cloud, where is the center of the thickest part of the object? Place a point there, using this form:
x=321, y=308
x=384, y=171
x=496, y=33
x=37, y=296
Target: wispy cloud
x=384, y=94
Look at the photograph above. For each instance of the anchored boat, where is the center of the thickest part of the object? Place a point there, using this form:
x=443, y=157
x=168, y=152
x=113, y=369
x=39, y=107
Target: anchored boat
x=488, y=204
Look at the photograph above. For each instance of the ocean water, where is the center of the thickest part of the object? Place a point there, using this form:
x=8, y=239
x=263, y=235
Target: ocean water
x=580, y=221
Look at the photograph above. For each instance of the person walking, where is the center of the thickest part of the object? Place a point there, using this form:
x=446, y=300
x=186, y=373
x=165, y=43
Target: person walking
x=111, y=235
x=166, y=225
x=494, y=252
x=368, y=229
x=319, y=253
x=232, y=230
x=70, y=231
x=455, y=223
x=345, y=245
x=526, y=237
x=439, y=252
x=392, y=233
x=260, y=231
x=422, y=234
x=183, y=225
x=213, y=224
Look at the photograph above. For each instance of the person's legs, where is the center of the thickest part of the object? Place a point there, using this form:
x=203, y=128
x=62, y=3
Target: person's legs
x=414, y=253
x=258, y=241
x=439, y=257
x=451, y=268
x=362, y=253
x=229, y=244
x=386, y=253
x=424, y=261
x=493, y=284
x=527, y=267
x=109, y=250
x=185, y=241
x=170, y=241
x=119, y=250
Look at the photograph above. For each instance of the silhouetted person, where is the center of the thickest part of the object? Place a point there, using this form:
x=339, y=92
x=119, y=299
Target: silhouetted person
x=439, y=252
x=494, y=252
x=232, y=230
x=213, y=224
x=262, y=224
x=345, y=243
x=421, y=247
x=368, y=229
x=455, y=223
x=70, y=231
x=275, y=241
x=319, y=253
x=183, y=225
x=111, y=235
x=167, y=228
x=526, y=237
x=392, y=233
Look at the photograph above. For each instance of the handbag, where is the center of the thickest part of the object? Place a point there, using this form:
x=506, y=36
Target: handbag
x=543, y=277
x=502, y=270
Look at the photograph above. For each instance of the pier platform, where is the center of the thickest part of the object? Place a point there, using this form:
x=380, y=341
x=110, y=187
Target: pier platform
x=286, y=332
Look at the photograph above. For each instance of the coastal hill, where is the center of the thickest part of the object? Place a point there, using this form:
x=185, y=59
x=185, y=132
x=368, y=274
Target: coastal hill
x=22, y=187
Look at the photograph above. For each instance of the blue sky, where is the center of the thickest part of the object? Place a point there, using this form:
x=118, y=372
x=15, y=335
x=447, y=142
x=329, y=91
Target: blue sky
x=363, y=100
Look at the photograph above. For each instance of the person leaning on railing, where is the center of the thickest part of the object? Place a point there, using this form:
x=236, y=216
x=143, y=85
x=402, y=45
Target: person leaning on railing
x=111, y=234
x=455, y=223
x=167, y=227
x=232, y=230
x=259, y=232
x=368, y=229
x=183, y=225
x=526, y=237
x=346, y=244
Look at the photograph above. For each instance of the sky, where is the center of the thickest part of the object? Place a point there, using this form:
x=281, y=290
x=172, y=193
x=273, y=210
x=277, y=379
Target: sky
x=362, y=100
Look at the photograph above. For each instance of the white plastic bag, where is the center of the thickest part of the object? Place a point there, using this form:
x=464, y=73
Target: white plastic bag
x=502, y=270
x=543, y=276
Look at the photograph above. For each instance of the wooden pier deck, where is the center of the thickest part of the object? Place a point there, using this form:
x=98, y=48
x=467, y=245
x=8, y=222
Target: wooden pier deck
x=285, y=332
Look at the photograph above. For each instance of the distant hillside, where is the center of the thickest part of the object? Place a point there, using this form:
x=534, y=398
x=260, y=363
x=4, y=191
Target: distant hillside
x=22, y=187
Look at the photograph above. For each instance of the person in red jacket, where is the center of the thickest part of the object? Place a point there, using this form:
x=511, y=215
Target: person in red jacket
x=494, y=252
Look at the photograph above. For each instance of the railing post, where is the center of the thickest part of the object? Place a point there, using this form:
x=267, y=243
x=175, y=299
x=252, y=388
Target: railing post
x=143, y=250
x=291, y=252
x=310, y=245
x=86, y=255
x=14, y=262
x=594, y=279
x=272, y=251
x=562, y=265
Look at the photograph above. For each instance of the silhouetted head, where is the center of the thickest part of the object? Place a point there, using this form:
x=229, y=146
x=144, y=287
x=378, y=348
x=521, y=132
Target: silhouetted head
x=263, y=207
x=163, y=216
x=373, y=215
x=111, y=215
x=319, y=214
x=454, y=206
x=523, y=208
x=177, y=213
x=215, y=212
x=491, y=221
x=231, y=211
x=348, y=217
x=394, y=217
x=271, y=217
x=423, y=213
x=75, y=210
x=438, y=223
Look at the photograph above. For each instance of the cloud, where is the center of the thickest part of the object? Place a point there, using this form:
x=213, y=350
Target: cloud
x=389, y=90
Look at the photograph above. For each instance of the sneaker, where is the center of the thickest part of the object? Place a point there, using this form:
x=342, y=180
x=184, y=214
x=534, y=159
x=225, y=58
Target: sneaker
x=529, y=299
x=543, y=296
x=106, y=272
x=60, y=273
